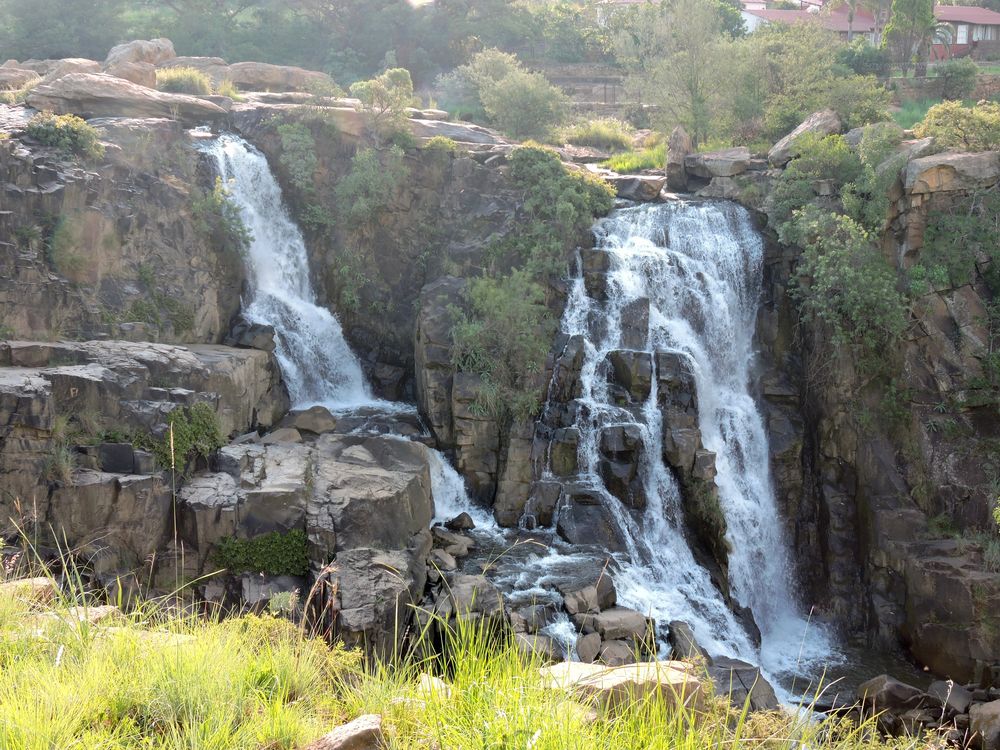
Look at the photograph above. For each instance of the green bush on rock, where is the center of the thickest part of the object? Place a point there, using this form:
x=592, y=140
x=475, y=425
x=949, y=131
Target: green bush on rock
x=276, y=554
x=954, y=126
x=847, y=283
x=68, y=133
x=505, y=333
x=193, y=433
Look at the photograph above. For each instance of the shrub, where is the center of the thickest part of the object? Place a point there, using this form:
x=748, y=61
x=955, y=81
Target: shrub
x=866, y=199
x=859, y=100
x=68, y=133
x=505, y=339
x=636, y=161
x=196, y=434
x=60, y=249
x=524, y=105
x=228, y=88
x=957, y=77
x=298, y=154
x=847, y=283
x=459, y=90
x=954, y=126
x=607, y=133
x=367, y=189
x=954, y=239
x=273, y=554
x=820, y=158
x=863, y=58
x=183, y=80
x=217, y=216
x=441, y=145
x=558, y=207
x=495, y=86
x=385, y=99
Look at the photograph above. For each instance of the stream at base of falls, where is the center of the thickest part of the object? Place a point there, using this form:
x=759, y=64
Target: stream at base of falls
x=699, y=267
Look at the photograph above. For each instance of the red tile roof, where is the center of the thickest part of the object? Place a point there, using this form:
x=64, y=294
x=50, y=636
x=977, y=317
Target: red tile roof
x=863, y=22
x=967, y=14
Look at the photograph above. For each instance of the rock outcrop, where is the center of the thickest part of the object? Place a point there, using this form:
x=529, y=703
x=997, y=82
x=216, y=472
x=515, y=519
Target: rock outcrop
x=102, y=95
x=821, y=123
x=162, y=274
x=63, y=471
x=365, y=504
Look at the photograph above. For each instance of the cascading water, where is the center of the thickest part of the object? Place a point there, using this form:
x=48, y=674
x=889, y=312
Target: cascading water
x=699, y=265
x=317, y=364
x=316, y=361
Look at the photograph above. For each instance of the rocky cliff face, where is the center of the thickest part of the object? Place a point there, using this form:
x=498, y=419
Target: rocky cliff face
x=117, y=248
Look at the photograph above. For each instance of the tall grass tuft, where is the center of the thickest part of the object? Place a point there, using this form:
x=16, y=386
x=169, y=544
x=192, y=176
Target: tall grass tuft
x=183, y=80
x=608, y=134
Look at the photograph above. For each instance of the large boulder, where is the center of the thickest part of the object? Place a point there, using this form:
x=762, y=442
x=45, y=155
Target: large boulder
x=672, y=683
x=60, y=68
x=637, y=187
x=141, y=73
x=825, y=122
x=728, y=162
x=101, y=95
x=952, y=172
x=743, y=683
x=679, y=146
x=886, y=693
x=152, y=51
x=984, y=722
x=17, y=78
x=257, y=76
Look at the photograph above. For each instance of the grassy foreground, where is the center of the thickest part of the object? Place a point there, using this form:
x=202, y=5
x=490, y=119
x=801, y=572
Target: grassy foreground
x=151, y=680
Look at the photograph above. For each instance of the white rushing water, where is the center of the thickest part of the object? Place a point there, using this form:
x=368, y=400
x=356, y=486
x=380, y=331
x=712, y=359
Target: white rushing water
x=317, y=364
x=700, y=266
x=316, y=361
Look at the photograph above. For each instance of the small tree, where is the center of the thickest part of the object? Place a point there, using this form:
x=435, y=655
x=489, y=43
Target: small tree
x=958, y=78
x=676, y=50
x=385, y=99
x=524, y=105
x=907, y=29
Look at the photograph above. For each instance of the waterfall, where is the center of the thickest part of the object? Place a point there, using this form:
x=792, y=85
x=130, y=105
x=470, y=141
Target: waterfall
x=316, y=361
x=699, y=265
x=317, y=364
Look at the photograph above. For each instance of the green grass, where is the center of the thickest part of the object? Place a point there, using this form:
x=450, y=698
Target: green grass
x=636, y=161
x=183, y=80
x=913, y=111
x=607, y=134
x=158, y=679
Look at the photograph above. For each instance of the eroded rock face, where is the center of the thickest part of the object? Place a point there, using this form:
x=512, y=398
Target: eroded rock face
x=365, y=504
x=102, y=95
x=951, y=172
x=679, y=146
x=101, y=286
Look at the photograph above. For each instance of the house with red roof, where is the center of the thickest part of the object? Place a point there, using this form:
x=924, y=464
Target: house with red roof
x=837, y=20
x=971, y=26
